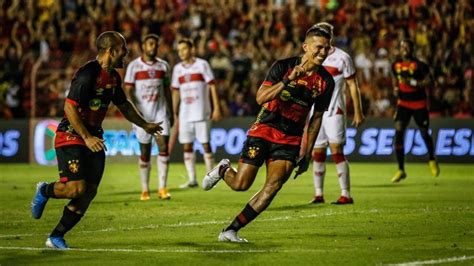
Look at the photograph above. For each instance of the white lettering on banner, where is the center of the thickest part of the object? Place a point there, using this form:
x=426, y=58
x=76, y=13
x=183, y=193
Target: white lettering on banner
x=455, y=142
x=9, y=143
x=231, y=140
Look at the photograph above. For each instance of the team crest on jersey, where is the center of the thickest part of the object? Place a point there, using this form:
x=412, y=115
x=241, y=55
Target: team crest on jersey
x=187, y=78
x=73, y=166
x=317, y=88
x=253, y=152
x=94, y=104
x=151, y=73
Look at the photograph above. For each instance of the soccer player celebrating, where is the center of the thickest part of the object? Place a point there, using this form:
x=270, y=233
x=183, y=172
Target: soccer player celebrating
x=147, y=82
x=79, y=145
x=290, y=88
x=333, y=128
x=411, y=80
x=193, y=89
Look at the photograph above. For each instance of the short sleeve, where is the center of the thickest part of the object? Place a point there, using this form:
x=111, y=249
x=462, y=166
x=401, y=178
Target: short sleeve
x=175, y=78
x=129, y=78
x=321, y=103
x=348, y=69
x=275, y=74
x=81, y=83
x=207, y=72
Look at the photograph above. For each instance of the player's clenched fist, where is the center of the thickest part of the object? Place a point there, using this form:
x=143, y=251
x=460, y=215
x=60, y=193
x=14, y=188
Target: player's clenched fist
x=153, y=128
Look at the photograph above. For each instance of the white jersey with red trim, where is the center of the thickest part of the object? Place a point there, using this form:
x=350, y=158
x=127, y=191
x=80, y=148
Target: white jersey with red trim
x=341, y=67
x=149, y=80
x=192, y=82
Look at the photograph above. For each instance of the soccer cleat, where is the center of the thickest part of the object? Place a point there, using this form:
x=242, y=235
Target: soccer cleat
x=56, y=242
x=213, y=176
x=145, y=195
x=164, y=194
x=399, y=175
x=189, y=184
x=231, y=236
x=317, y=200
x=434, y=167
x=39, y=201
x=343, y=200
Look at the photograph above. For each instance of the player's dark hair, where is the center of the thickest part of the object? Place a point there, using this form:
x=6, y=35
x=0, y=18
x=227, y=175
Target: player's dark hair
x=319, y=30
x=187, y=41
x=151, y=36
x=106, y=40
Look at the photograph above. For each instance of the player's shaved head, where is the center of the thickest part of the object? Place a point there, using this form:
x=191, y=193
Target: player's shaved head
x=108, y=39
x=320, y=30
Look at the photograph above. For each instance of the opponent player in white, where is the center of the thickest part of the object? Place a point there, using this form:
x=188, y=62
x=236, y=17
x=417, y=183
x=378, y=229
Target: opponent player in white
x=193, y=89
x=333, y=128
x=147, y=82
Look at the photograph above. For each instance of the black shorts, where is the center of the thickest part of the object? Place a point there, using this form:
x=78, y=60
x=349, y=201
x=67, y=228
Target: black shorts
x=256, y=151
x=421, y=116
x=77, y=162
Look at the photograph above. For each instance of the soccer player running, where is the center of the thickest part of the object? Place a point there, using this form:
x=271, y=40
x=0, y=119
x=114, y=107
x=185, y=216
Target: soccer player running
x=147, y=84
x=411, y=79
x=194, y=88
x=79, y=145
x=333, y=128
x=290, y=88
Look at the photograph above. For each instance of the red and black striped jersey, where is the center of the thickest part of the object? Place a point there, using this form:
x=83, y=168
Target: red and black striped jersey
x=92, y=90
x=282, y=120
x=409, y=95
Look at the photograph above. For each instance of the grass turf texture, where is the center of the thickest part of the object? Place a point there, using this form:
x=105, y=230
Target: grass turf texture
x=420, y=219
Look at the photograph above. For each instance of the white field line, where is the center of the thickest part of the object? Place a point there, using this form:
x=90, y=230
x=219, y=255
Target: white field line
x=126, y=250
x=438, y=261
x=190, y=224
x=278, y=218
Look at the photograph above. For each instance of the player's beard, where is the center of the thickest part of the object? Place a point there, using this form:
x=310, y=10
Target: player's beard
x=119, y=63
x=151, y=54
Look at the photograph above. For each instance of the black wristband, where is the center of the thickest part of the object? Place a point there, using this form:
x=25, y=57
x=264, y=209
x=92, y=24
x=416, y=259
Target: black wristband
x=286, y=81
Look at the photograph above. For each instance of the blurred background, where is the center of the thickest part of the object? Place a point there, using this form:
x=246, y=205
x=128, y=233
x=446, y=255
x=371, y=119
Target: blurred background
x=43, y=42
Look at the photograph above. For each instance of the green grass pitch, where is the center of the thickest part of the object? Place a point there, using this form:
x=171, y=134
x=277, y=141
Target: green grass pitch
x=421, y=220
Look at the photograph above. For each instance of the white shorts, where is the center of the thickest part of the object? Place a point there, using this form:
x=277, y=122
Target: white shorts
x=189, y=131
x=145, y=138
x=333, y=130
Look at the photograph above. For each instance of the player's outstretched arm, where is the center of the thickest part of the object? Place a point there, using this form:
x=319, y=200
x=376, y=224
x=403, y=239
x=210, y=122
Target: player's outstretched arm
x=132, y=115
x=216, y=112
x=94, y=143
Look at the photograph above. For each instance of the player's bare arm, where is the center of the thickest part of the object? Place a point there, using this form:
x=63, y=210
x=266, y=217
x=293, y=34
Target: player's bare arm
x=355, y=95
x=94, y=143
x=312, y=133
x=267, y=93
x=132, y=115
x=216, y=112
x=176, y=102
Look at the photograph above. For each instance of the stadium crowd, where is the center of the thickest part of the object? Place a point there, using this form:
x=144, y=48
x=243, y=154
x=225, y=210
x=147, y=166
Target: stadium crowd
x=42, y=42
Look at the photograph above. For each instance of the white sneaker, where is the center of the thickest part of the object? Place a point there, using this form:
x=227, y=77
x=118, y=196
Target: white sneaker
x=231, y=236
x=212, y=177
x=189, y=184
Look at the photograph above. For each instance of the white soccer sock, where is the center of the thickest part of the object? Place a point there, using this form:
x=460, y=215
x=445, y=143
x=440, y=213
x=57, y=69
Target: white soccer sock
x=144, y=168
x=319, y=171
x=209, y=161
x=162, y=165
x=189, y=162
x=342, y=169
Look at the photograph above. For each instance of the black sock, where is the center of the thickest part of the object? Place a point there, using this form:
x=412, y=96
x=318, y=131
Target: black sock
x=245, y=217
x=48, y=190
x=429, y=145
x=400, y=149
x=67, y=222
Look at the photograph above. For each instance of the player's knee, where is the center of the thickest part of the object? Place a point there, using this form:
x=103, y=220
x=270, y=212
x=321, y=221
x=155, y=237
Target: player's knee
x=76, y=191
x=241, y=185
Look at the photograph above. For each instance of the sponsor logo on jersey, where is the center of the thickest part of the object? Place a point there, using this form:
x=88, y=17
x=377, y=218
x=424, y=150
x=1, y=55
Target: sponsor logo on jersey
x=95, y=104
x=151, y=73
